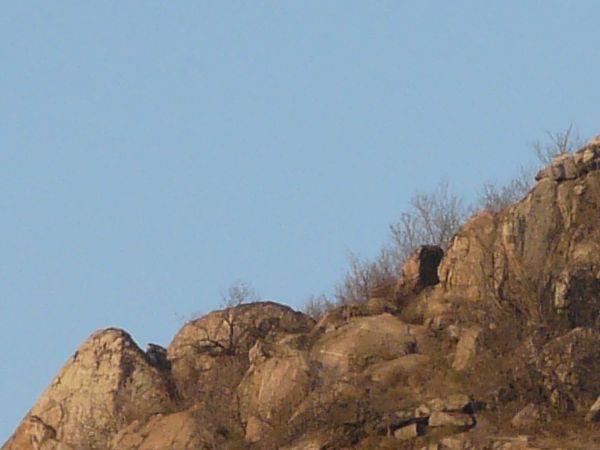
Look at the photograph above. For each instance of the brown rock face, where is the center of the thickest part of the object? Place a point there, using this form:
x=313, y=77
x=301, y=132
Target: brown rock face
x=209, y=355
x=278, y=380
x=538, y=257
x=182, y=430
x=366, y=340
x=499, y=335
x=105, y=385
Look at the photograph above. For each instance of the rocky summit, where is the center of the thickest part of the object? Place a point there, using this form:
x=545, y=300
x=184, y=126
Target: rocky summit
x=494, y=344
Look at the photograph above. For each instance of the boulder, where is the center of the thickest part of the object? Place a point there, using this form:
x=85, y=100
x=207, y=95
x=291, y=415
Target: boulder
x=467, y=348
x=529, y=416
x=364, y=341
x=451, y=403
x=389, y=371
x=410, y=431
x=275, y=384
x=449, y=419
x=209, y=355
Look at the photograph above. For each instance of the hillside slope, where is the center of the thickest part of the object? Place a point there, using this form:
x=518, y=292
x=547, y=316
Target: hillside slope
x=500, y=350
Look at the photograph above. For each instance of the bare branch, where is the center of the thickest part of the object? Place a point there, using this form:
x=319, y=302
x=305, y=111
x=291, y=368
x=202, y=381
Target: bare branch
x=433, y=219
x=558, y=143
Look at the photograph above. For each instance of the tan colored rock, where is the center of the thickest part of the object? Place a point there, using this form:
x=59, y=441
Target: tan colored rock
x=457, y=442
x=107, y=383
x=467, y=348
x=215, y=346
x=366, y=340
x=314, y=441
x=563, y=167
x=34, y=434
x=448, y=419
x=519, y=442
x=529, y=416
x=387, y=372
x=422, y=411
x=181, y=431
x=451, y=403
x=407, y=432
x=272, y=388
x=497, y=259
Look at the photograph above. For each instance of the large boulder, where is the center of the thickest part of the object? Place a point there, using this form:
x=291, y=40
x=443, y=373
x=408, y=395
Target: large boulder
x=209, y=355
x=364, y=341
x=279, y=378
x=106, y=384
x=467, y=347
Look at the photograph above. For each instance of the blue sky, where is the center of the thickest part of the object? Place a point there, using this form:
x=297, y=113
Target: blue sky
x=153, y=153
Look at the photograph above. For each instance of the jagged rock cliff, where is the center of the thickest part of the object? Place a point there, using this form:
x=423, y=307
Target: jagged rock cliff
x=496, y=346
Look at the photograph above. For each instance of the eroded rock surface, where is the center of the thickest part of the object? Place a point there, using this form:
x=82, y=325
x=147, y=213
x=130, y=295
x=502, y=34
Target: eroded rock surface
x=107, y=383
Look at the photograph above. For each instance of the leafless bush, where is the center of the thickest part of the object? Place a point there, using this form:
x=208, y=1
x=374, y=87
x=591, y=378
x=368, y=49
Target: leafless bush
x=433, y=219
x=495, y=198
x=366, y=279
x=226, y=337
x=557, y=143
x=317, y=306
x=237, y=294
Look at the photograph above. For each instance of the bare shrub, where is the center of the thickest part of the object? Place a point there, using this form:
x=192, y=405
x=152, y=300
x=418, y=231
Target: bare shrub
x=317, y=306
x=433, y=219
x=495, y=198
x=366, y=279
x=226, y=337
x=557, y=143
x=238, y=293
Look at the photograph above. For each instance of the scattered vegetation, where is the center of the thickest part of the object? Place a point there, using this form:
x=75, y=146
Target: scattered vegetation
x=225, y=338
x=433, y=218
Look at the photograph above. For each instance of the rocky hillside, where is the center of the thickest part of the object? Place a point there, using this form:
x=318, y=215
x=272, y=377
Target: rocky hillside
x=493, y=345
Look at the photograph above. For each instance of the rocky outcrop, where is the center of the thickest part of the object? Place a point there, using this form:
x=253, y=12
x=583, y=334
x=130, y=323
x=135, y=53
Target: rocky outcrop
x=499, y=336
x=209, y=356
x=105, y=385
x=538, y=257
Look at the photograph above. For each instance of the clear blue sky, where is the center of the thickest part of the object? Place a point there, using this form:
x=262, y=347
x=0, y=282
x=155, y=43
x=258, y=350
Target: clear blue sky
x=151, y=153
